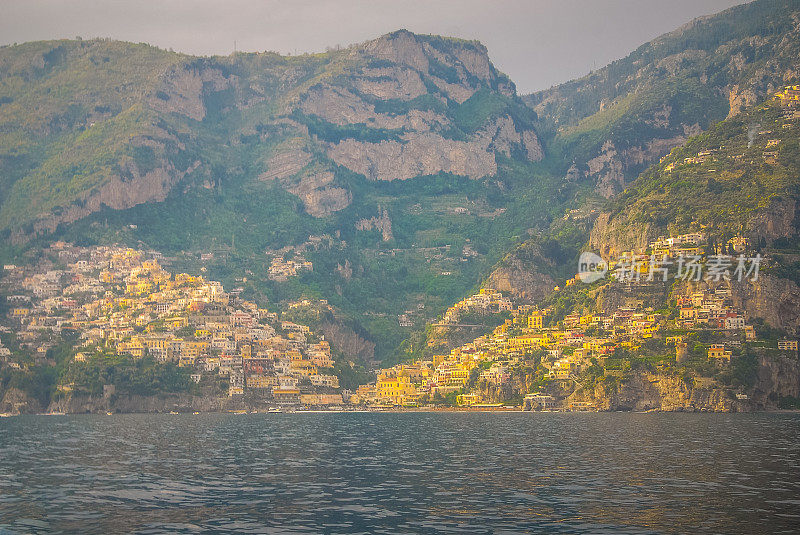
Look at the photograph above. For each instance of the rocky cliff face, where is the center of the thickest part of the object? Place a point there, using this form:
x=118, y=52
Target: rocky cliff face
x=421, y=144
x=118, y=193
x=647, y=391
x=293, y=167
x=776, y=377
x=616, y=232
x=81, y=404
x=611, y=170
x=381, y=223
x=775, y=300
x=778, y=220
x=183, y=88
x=630, y=113
x=349, y=342
x=611, y=236
x=15, y=401
x=127, y=156
x=387, y=109
x=518, y=275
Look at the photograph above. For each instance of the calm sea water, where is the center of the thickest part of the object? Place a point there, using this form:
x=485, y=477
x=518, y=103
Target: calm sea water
x=401, y=473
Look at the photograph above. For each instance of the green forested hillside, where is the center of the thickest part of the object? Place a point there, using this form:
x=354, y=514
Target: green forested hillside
x=245, y=157
x=602, y=130
x=615, y=121
x=741, y=177
x=404, y=168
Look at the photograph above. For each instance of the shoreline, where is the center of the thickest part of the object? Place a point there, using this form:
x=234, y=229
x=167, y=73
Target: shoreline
x=289, y=410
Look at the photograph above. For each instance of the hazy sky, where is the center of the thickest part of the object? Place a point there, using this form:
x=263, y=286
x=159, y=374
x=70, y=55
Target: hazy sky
x=536, y=42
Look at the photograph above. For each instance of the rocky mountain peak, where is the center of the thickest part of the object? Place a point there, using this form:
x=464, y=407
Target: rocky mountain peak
x=397, y=107
x=400, y=47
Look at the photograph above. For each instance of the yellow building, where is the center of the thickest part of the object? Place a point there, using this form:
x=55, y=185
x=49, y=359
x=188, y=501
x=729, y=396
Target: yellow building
x=560, y=373
x=181, y=278
x=177, y=322
x=286, y=395
x=303, y=367
x=320, y=399
x=261, y=381
x=790, y=93
x=535, y=321
x=417, y=373
x=397, y=389
x=365, y=394
x=438, y=359
x=469, y=399
x=139, y=287
x=527, y=342
x=717, y=351
x=193, y=349
x=459, y=377
x=135, y=347
x=157, y=344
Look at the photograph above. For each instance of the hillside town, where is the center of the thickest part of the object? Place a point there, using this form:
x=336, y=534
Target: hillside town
x=561, y=350
x=121, y=300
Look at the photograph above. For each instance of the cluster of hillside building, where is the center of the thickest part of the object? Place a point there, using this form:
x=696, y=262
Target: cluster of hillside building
x=789, y=101
x=281, y=270
x=694, y=243
x=565, y=347
x=789, y=96
x=486, y=301
x=684, y=257
x=290, y=261
x=122, y=299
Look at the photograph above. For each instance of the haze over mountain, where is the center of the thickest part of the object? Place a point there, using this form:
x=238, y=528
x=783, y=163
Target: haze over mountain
x=405, y=141
x=404, y=168
x=536, y=43
x=606, y=128
x=614, y=122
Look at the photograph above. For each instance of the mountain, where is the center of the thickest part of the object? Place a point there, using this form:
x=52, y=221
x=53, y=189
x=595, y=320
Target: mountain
x=388, y=178
x=736, y=181
x=739, y=179
x=611, y=124
x=88, y=124
x=385, y=164
x=601, y=131
x=650, y=333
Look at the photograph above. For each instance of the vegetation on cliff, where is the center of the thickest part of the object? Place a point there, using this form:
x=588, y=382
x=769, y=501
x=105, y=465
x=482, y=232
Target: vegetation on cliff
x=617, y=120
x=739, y=177
x=412, y=153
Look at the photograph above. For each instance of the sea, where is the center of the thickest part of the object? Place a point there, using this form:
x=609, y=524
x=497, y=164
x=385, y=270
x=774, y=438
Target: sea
x=424, y=472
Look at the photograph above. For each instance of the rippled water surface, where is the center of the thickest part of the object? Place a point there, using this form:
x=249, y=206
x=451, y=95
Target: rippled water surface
x=401, y=473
